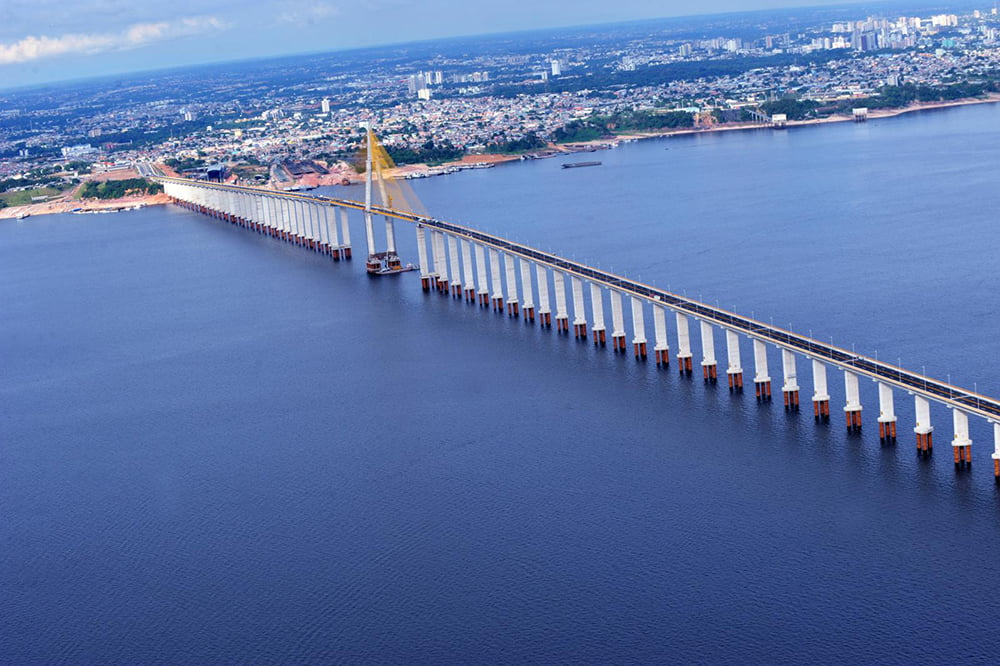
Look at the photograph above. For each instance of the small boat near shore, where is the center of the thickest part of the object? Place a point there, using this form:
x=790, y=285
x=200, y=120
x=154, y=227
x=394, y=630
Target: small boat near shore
x=576, y=165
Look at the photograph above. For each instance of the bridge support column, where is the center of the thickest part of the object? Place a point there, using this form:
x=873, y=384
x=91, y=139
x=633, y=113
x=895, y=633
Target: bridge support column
x=761, y=379
x=790, y=386
x=996, y=452
x=456, y=280
x=735, y=369
x=345, y=233
x=639, y=328
x=709, y=366
x=821, y=395
x=960, y=443
x=562, y=316
x=482, y=284
x=597, y=306
x=579, y=313
x=886, y=414
x=544, y=310
x=684, y=354
x=513, y=303
x=617, y=322
x=529, y=296
x=467, y=272
x=496, y=281
x=662, y=349
x=924, y=430
x=441, y=268
x=331, y=221
x=425, y=276
x=852, y=410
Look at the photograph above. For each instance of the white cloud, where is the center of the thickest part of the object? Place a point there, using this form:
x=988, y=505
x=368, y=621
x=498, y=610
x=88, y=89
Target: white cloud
x=36, y=48
x=303, y=11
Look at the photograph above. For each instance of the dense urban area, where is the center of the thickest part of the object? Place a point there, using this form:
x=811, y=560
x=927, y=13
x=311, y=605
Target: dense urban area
x=293, y=122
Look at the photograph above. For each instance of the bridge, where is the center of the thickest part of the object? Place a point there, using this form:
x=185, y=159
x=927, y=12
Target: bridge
x=494, y=271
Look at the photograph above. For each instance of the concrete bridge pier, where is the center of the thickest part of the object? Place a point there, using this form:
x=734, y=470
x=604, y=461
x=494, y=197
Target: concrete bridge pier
x=709, y=365
x=496, y=281
x=790, y=385
x=617, y=323
x=456, y=280
x=662, y=349
x=331, y=220
x=735, y=367
x=852, y=410
x=513, y=303
x=821, y=395
x=345, y=235
x=996, y=452
x=441, y=268
x=482, y=284
x=684, y=354
x=468, y=278
x=528, y=308
x=579, y=312
x=886, y=414
x=761, y=379
x=544, y=311
x=639, y=329
x=961, y=445
x=562, y=316
x=597, y=305
x=425, y=276
x=436, y=266
x=924, y=430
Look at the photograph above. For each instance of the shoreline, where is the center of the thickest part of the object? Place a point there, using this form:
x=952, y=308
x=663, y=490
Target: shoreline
x=468, y=161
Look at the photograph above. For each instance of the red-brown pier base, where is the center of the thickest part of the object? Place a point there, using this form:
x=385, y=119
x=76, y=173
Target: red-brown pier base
x=425, y=283
x=821, y=410
x=640, y=350
x=498, y=303
x=996, y=469
x=600, y=337
x=529, y=314
x=853, y=418
x=662, y=357
x=710, y=373
x=514, y=309
x=470, y=294
x=735, y=381
x=925, y=443
x=791, y=401
x=456, y=290
x=443, y=286
x=347, y=253
x=763, y=391
x=887, y=431
x=963, y=455
x=580, y=331
x=684, y=365
x=618, y=342
x=484, y=300
x=562, y=324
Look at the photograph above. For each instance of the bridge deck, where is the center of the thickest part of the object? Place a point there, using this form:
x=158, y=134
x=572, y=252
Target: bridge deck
x=938, y=391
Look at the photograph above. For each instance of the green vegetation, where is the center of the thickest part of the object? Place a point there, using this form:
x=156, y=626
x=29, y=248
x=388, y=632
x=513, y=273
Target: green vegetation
x=23, y=197
x=115, y=189
x=79, y=166
x=894, y=97
x=429, y=153
x=596, y=126
x=531, y=141
x=184, y=164
x=791, y=107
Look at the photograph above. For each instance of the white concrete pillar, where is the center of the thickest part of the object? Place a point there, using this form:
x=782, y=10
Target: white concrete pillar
x=761, y=378
x=526, y=291
x=662, y=348
x=468, y=279
x=456, y=272
x=597, y=305
x=821, y=395
x=481, y=282
x=513, y=303
x=886, y=414
x=562, y=317
x=639, y=329
x=345, y=234
x=441, y=248
x=709, y=366
x=961, y=444
x=924, y=430
x=734, y=370
x=790, y=383
x=331, y=223
x=425, y=274
x=996, y=451
x=684, y=354
x=544, y=307
x=852, y=410
x=390, y=236
x=617, y=322
x=497, y=282
x=579, y=312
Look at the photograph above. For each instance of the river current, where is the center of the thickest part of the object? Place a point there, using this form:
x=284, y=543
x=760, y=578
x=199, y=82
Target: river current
x=217, y=448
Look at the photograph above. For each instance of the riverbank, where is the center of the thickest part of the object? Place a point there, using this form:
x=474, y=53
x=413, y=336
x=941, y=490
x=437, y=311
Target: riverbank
x=85, y=206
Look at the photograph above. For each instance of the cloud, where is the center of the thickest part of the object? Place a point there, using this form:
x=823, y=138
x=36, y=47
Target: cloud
x=36, y=48
x=302, y=11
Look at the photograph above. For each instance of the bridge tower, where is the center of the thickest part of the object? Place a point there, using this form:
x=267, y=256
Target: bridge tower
x=377, y=163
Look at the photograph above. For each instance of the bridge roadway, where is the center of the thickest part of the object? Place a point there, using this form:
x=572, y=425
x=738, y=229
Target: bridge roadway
x=967, y=401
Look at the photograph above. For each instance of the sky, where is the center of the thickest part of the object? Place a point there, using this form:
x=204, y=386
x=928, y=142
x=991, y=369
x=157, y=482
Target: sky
x=51, y=40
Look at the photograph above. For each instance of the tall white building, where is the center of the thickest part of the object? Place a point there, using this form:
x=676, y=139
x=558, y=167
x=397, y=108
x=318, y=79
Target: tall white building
x=325, y=105
x=556, y=68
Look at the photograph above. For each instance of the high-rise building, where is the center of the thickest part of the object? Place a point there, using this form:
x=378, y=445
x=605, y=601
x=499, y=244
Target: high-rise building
x=325, y=105
x=556, y=68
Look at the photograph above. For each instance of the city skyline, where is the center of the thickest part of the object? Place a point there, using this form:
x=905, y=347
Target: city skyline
x=107, y=37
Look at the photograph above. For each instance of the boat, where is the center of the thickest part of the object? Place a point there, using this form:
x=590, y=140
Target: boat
x=23, y=215
x=574, y=165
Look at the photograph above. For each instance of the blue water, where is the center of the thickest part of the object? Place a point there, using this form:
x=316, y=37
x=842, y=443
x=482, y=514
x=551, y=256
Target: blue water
x=215, y=448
